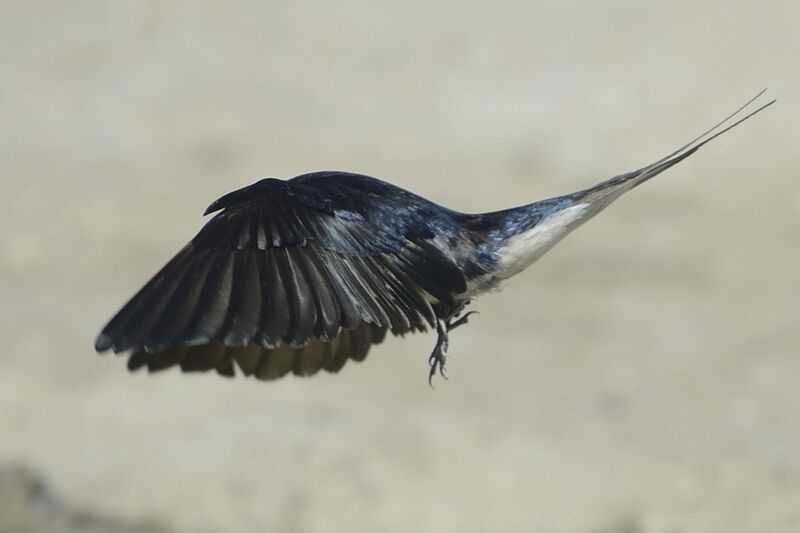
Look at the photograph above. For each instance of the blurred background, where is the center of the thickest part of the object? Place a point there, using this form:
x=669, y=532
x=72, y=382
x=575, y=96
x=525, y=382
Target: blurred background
x=641, y=378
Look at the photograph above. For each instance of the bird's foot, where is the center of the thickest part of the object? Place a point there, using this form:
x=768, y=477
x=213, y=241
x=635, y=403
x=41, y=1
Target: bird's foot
x=460, y=320
x=438, y=357
x=444, y=326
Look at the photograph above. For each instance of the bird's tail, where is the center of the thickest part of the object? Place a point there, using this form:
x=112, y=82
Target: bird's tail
x=609, y=190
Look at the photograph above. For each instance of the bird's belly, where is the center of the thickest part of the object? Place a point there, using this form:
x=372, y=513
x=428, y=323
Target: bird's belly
x=521, y=250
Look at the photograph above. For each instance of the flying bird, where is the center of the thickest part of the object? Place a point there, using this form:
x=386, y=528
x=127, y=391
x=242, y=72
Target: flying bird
x=303, y=274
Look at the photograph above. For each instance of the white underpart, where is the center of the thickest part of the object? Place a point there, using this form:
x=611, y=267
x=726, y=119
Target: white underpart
x=523, y=249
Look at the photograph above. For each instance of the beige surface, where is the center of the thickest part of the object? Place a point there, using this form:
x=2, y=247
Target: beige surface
x=642, y=377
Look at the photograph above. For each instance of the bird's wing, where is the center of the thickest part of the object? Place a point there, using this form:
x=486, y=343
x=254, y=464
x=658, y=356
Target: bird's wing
x=280, y=281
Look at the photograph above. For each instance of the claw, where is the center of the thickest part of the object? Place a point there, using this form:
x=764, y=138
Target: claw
x=437, y=361
x=436, y=365
x=461, y=321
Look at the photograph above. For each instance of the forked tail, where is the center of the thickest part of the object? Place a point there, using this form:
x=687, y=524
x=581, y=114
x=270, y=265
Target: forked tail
x=607, y=191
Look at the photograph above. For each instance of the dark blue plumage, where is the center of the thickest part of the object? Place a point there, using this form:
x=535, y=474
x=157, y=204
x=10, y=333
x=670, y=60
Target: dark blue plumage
x=304, y=274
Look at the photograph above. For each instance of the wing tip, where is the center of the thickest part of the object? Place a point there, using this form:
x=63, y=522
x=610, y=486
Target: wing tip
x=211, y=208
x=103, y=342
x=245, y=194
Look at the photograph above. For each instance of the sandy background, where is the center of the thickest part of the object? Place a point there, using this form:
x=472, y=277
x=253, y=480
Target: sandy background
x=642, y=378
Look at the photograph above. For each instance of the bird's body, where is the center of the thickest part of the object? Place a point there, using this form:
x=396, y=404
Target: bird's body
x=300, y=275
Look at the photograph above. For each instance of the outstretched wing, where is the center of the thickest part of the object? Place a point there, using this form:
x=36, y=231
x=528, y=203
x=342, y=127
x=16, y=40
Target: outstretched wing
x=289, y=276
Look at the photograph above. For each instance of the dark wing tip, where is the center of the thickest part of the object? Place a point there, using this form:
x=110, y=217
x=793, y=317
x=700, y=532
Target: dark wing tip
x=213, y=207
x=245, y=194
x=103, y=342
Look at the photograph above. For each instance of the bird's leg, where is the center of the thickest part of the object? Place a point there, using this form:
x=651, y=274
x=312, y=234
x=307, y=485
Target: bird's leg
x=439, y=354
x=443, y=327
